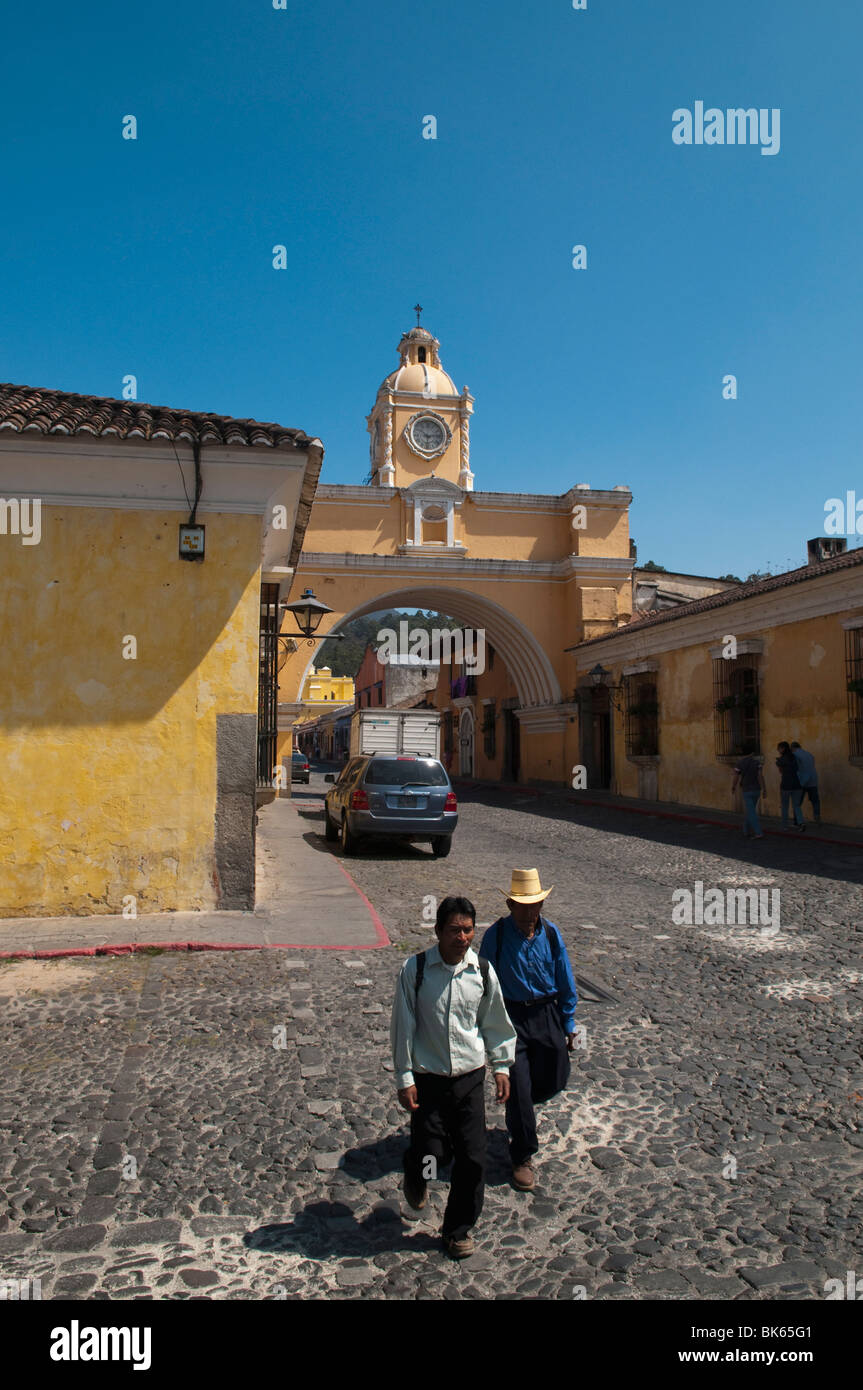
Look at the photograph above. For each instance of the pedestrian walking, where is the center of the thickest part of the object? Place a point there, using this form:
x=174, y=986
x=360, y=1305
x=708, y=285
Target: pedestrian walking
x=448, y=1017
x=529, y=956
x=808, y=775
x=748, y=775
x=790, y=790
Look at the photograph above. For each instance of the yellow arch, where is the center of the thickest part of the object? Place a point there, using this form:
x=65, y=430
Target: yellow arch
x=528, y=664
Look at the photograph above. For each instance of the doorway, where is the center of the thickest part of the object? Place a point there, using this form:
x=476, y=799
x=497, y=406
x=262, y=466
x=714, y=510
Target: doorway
x=511, y=747
x=465, y=743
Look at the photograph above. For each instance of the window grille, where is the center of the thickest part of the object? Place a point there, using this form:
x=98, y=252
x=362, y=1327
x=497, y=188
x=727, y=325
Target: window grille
x=854, y=683
x=736, y=719
x=268, y=684
x=642, y=717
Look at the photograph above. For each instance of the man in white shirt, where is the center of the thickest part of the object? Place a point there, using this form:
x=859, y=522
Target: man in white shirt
x=448, y=1016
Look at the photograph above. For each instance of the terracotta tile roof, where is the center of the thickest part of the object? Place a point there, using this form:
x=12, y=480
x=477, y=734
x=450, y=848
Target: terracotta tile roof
x=34, y=410
x=738, y=594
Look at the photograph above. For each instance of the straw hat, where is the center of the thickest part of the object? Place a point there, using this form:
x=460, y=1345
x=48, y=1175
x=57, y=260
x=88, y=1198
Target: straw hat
x=526, y=887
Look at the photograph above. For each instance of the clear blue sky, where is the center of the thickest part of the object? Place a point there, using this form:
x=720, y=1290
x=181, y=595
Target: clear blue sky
x=302, y=126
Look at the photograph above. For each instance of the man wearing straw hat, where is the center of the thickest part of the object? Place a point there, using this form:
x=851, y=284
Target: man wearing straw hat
x=531, y=962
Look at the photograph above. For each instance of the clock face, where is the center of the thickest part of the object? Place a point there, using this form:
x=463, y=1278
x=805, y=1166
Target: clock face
x=428, y=433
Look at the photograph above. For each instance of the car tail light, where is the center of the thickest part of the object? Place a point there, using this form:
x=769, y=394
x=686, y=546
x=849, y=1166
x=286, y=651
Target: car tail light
x=359, y=800
x=451, y=804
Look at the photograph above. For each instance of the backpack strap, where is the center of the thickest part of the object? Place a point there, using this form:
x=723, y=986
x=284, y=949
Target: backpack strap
x=554, y=938
x=421, y=966
x=483, y=970
x=498, y=932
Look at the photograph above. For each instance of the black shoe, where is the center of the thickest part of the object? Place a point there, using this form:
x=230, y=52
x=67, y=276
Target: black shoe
x=458, y=1249
x=416, y=1193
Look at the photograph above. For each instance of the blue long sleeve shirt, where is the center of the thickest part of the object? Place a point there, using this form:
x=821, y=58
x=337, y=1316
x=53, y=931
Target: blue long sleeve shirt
x=532, y=969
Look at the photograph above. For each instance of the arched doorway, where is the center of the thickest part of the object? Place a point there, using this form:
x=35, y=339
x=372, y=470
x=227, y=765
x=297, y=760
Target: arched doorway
x=465, y=743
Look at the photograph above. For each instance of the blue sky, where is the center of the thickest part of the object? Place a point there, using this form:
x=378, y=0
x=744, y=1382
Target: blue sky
x=303, y=126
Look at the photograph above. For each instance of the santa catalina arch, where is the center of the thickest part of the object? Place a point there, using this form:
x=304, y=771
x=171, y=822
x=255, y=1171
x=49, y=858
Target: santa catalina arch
x=537, y=572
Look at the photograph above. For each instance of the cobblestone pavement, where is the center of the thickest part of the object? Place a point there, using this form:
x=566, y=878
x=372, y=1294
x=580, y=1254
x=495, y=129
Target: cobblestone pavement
x=155, y=1143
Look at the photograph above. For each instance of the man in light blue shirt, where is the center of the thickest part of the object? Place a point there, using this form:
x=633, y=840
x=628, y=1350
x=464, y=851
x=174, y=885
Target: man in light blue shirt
x=808, y=779
x=448, y=1016
x=530, y=958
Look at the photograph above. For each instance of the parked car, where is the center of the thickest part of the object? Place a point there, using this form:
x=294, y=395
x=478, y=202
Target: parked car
x=404, y=796
x=300, y=769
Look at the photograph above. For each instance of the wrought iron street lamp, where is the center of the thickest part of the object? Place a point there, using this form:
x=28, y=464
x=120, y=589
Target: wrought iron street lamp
x=600, y=679
x=308, y=612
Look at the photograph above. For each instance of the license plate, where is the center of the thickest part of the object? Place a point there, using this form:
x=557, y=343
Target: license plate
x=406, y=800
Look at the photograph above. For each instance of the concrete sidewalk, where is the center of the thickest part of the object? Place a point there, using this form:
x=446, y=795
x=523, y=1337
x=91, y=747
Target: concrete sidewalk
x=671, y=810
x=305, y=899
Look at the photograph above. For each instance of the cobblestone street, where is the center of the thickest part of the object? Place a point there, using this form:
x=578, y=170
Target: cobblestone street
x=154, y=1142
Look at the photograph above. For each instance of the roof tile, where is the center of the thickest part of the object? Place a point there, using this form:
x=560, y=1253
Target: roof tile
x=33, y=409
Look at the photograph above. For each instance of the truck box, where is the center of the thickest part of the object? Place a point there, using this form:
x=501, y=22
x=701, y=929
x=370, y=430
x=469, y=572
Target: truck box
x=396, y=731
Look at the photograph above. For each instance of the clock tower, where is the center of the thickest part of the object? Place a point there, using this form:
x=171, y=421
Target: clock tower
x=419, y=427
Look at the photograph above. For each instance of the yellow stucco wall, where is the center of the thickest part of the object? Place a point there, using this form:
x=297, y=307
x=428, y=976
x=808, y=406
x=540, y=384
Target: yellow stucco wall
x=358, y=529
x=802, y=697
x=492, y=535
x=109, y=785
x=606, y=533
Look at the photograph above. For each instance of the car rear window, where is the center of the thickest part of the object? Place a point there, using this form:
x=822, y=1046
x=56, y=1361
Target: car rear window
x=396, y=772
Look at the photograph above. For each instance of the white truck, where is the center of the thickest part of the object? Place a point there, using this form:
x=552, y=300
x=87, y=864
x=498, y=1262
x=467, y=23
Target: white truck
x=396, y=731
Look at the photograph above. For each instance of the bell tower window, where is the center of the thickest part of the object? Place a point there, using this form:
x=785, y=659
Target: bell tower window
x=421, y=355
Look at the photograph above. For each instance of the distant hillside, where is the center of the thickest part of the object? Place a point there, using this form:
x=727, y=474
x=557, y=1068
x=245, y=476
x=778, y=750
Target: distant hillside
x=344, y=657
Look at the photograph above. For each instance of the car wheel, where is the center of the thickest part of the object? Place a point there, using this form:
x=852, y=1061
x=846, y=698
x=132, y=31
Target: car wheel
x=441, y=846
x=331, y=831
x=349, y=844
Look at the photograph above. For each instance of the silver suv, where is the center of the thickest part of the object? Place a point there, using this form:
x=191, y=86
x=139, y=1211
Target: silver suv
x=387, y=794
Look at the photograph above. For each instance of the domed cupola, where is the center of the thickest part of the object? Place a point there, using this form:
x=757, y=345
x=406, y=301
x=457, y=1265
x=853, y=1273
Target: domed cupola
x=420, y=369
x=419, y=426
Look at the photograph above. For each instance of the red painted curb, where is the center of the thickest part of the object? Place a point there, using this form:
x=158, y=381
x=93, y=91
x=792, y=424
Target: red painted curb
x=131, y=948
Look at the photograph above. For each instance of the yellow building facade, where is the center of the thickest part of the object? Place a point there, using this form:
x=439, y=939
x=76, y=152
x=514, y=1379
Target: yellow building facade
x=129, y=693
x=673, y=696
x=322, y=688
x=321, y=693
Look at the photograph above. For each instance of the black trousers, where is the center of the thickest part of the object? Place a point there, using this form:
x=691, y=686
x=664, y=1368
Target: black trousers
x=450, y=1123
x=541, y=1069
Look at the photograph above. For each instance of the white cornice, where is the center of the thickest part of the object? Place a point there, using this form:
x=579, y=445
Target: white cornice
x=821, y=596
x=410, y=399
x=543, y=720
x=442, y=565
x=72, y=448
x=484, y=501
x=117, y=475
x=639, y=668
x=550, y=502
x=432, y=550
x=746, y=646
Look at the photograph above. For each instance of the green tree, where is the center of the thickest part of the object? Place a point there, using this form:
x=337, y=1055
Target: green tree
x=344, y=657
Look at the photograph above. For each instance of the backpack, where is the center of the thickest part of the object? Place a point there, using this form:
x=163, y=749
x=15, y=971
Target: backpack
x=421, y=966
